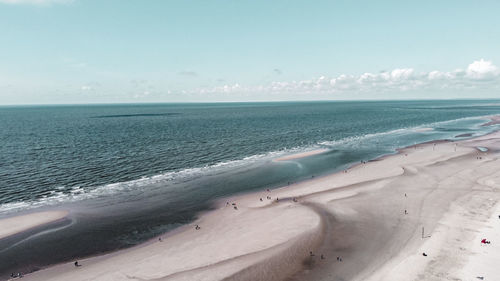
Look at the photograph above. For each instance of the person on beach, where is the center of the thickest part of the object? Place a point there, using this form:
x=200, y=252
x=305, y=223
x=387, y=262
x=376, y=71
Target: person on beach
x=159, y=239
x=197, y=227
x=77, y=264
x=406, y=212
x=311, y=254
x=260, y=199
x=322, y=257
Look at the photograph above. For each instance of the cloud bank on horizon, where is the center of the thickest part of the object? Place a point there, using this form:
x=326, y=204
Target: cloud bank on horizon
x=477, y=75
x=475, y=81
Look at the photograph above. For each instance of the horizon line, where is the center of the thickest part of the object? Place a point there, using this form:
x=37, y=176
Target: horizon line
x=236, y=102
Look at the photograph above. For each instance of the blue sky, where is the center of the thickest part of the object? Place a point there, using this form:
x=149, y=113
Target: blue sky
x=98, y=51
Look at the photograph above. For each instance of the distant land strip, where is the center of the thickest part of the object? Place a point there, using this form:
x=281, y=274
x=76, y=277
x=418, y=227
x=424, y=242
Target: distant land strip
x=138, y=115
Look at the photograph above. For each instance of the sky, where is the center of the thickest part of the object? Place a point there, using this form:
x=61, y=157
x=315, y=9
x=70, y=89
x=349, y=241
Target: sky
x=116, y=51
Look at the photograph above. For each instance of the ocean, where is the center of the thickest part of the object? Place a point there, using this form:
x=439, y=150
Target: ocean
x=131, y=172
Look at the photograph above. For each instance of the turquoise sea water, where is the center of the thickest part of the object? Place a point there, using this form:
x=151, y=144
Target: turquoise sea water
x=130, y=172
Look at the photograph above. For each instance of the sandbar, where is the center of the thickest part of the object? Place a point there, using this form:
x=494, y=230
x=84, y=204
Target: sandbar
x=17, y=224
x=301, y=155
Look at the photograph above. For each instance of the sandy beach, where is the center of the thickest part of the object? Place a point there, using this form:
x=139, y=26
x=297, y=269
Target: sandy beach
x=417, y=215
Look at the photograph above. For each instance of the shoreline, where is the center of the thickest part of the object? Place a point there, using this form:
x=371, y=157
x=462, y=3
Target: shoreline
x=286, y=194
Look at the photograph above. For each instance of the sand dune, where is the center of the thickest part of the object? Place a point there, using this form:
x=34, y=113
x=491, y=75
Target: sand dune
x=370, y=216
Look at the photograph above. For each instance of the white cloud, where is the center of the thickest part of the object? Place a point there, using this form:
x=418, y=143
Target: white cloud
x=398, y=80
x=35, y=2
x=401, y=73
x=481, y=70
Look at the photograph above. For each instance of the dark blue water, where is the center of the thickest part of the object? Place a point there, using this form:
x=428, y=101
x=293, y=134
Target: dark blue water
x=130, y=172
